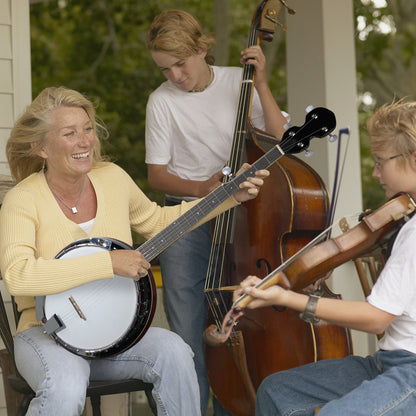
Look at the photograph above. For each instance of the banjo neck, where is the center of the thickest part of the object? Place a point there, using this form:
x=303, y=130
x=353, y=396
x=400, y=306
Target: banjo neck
x=176, y=229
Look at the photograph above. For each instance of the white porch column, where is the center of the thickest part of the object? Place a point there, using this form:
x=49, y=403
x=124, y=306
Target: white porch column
x=321, y=71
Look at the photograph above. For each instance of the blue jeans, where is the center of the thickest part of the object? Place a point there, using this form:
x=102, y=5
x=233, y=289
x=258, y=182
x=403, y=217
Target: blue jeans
x=184, y=267
x=381, y=384
x=60, y=378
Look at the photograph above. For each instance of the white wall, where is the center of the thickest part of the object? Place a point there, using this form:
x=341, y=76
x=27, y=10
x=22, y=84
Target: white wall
x=321, y=71
x=15, y=76
x=15, y=86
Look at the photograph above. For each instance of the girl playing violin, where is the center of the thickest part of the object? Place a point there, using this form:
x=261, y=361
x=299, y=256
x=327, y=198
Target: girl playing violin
x=383, y=383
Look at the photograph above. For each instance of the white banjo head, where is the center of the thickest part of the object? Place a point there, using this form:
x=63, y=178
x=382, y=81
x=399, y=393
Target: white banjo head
x=100, y=316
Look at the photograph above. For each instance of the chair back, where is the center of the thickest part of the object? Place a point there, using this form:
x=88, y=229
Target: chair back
x=6, y=183
x=368, y=269
x=5, y=330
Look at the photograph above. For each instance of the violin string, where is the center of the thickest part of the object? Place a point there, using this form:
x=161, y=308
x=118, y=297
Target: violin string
x=319, y=238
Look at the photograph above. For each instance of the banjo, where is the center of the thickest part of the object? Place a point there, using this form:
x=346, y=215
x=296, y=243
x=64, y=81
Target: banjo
x=108, y=316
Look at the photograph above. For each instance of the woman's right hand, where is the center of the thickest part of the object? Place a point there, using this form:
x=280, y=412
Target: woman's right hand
x=129, y=263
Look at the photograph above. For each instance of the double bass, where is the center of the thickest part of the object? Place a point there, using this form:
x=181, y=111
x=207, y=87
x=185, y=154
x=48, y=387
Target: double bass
x=292, y=209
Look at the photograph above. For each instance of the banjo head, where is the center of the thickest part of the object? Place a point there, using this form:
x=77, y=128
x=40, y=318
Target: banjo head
x=103, y=317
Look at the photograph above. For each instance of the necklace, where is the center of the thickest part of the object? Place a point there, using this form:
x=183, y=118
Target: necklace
x=211, y=78
x=74, y=208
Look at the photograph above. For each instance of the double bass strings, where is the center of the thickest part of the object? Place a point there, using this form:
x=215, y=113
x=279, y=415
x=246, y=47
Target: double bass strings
x=295, y=139
x=223, y=230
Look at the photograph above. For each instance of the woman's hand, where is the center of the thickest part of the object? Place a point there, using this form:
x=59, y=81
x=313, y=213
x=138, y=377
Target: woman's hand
x=249, y=189
x=129, y=263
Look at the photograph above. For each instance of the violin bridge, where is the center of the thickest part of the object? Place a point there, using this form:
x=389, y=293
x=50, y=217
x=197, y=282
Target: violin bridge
x=344, y=225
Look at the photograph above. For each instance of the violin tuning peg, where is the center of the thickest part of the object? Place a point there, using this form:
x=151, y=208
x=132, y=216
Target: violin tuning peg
x=332, y=138
x=308, y=153
x=309, y=108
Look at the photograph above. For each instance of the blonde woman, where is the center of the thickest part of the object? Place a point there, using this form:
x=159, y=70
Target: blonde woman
x=65, y=192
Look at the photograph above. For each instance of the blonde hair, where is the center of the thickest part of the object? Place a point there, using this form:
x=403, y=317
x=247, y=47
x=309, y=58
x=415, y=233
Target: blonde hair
x=392, y=128
x=29, y=133
x=178, y=34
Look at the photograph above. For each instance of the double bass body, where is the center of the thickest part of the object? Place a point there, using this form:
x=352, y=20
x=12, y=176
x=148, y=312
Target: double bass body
x=291, y=210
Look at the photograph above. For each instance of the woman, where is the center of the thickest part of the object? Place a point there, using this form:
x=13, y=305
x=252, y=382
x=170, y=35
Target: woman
x=66, y=191
x=385, y=382
x=190, y=123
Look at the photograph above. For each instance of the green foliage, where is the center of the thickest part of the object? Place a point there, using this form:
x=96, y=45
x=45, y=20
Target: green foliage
x=98, y=48
x=386, y=63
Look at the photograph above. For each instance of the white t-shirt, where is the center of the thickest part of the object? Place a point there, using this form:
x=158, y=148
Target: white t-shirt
x=192, y=132
x=395, y=291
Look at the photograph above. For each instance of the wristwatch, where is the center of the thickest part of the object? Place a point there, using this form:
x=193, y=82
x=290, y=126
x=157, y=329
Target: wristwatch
x=308, y=315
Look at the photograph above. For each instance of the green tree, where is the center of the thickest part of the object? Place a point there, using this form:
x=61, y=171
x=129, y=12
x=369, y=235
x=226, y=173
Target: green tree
x=386, y=70
x=98, y=48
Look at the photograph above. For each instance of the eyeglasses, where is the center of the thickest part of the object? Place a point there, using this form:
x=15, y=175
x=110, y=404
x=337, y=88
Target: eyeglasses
x=379, y=161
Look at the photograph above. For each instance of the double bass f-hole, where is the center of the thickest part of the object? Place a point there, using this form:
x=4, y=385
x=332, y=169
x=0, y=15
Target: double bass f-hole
x=263, y=261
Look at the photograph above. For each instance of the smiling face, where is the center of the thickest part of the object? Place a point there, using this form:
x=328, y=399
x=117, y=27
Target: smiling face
x=187, y=74
x=69, y=143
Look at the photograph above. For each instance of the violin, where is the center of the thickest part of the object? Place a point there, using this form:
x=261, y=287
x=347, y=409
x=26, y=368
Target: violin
x=315, y=261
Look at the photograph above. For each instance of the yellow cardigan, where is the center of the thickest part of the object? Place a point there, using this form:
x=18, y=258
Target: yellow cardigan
x=34, y=230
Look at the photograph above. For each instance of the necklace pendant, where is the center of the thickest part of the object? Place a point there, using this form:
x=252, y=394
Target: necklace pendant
x=74, y=210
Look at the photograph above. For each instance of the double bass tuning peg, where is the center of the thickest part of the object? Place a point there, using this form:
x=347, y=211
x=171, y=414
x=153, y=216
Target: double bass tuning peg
x=289, y=9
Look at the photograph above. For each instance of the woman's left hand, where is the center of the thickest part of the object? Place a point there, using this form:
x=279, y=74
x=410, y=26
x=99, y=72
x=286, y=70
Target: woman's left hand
x=250, y=188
